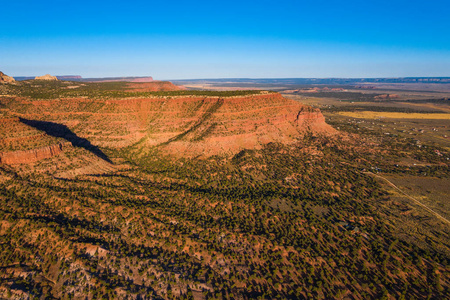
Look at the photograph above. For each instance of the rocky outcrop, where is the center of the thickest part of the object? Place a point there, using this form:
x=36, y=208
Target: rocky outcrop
x=30, y=156
x=46, y=77
x=5, y=78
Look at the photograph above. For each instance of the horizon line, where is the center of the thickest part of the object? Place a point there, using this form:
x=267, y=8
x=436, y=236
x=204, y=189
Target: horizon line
x=218, y=78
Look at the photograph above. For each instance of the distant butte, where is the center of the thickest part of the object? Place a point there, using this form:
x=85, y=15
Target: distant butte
x=46, y=77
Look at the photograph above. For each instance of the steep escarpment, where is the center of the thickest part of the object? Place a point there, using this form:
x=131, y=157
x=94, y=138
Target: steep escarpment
x=182, y=125
x=228, y=125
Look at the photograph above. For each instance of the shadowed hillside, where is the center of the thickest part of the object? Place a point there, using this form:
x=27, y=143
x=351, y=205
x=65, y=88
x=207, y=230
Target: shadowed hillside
x=62, y=131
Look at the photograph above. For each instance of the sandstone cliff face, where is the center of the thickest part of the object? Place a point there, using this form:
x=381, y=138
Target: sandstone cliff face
x=46, y=77
x=196, y=125
x=229, y=125
x=183, y=125
x=5, y=78
x=30, y=156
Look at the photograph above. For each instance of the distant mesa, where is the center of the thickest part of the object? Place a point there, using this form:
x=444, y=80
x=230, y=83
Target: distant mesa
x=69, y=77
x=80, y=78
x=127, y=79
x=5, y=78
x=143, y=79
x=46, y=77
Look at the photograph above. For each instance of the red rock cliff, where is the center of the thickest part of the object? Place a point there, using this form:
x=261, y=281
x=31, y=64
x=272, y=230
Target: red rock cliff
x=30, y=156
x=184, y=125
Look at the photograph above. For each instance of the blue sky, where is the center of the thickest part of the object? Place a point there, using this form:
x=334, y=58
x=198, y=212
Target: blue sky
x=221, y=39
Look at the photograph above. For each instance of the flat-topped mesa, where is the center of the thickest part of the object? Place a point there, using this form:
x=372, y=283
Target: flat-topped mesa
x=5, y=78
x=46, y=77
x=185, y=125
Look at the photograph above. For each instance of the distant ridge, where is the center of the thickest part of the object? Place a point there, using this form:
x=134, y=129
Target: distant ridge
x=337, y=81
x=70, y=77
x=112, y=79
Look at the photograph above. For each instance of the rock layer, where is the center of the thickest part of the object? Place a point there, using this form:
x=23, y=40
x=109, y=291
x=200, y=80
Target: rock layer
x=228, y=125
x=30, y=156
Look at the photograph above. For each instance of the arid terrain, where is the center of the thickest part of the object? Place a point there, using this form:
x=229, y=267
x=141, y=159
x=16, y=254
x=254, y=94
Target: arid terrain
x=151, y=190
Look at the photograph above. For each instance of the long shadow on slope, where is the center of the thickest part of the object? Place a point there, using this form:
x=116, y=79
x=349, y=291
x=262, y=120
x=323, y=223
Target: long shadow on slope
x=208, y=113
x=62, y=131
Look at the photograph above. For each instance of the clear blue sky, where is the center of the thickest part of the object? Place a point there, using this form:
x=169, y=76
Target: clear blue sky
x=220, y=39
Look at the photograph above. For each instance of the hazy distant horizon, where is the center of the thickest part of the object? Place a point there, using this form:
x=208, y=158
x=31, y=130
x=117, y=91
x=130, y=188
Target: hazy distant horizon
x=239, y=78
x=204, y=39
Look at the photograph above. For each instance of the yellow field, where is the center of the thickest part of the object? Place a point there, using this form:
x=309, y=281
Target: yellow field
x=443, y=108
x=394, y=115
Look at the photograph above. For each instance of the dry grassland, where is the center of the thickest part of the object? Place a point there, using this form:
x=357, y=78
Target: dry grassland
x=394, y=115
